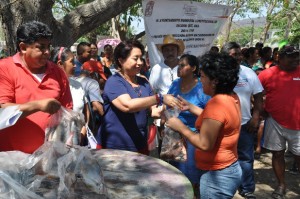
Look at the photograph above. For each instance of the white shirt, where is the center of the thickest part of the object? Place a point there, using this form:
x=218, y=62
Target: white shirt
x=78, y=95
x=161, y=77
x=248, y=85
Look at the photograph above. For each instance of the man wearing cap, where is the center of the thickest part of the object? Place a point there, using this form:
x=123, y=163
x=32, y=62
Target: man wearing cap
x=282, y=88
x=163, y=74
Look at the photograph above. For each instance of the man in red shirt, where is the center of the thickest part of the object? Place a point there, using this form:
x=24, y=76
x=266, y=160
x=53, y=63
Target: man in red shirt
x=38, y=85
x=282, y=86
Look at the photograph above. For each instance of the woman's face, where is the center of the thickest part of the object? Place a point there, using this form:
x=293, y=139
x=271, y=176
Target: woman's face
x=69, y=64
x=184, y=69
x=133, y=63
x=255, y=56
x=94, y=50
x=207, y=84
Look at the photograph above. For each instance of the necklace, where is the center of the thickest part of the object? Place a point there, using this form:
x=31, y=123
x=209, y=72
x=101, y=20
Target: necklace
x=137, y=89
x=171, y=73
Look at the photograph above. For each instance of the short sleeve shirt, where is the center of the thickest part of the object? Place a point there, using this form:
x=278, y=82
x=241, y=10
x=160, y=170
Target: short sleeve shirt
x=225, y=109
x=194, y=96
x=161, y=77
x=18, y=85
x=119, y=130
x=247, y=85
x=282, y=96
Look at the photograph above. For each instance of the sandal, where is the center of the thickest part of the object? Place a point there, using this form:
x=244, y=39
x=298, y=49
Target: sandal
x=256, y=156
x=249, y=196
x=278, y=193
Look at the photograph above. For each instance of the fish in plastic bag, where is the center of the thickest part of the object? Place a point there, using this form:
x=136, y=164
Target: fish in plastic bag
x=65, y=126
x=173, y=144
x=55, y=171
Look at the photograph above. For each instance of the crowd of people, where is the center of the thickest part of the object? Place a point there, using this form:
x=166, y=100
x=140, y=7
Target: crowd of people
x=233, y=102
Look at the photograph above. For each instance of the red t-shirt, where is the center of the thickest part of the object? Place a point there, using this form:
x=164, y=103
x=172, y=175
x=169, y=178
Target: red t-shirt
x=225, y=109
x=94, y=66
x=18, y=85
x=282, y=96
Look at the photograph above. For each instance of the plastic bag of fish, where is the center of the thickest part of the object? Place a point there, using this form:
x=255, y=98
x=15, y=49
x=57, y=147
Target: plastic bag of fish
x=65, y=126
x=173, y=144
x=54, y=171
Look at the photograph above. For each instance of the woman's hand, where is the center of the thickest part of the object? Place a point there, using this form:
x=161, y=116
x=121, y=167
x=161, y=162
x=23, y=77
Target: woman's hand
x=156, y=111
x=171, y=101
x=185, y=105
x=175, y=124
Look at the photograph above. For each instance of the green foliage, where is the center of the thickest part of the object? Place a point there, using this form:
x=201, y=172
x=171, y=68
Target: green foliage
x=243, y=35
x=280, y=21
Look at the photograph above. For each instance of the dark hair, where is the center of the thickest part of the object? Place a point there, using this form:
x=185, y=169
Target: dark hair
x=192, y=61
x=228, y=46
x=107, y=46
x=124, y=49
x=32, y=31
x=249, y=52
x=222, y=68
x=214, y=49
x=94, y=45
x=60, y=54
x=259, y=45
x=264, y=51
x=80, y=47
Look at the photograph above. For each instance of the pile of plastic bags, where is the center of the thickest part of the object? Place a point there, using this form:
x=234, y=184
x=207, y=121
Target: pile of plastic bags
x=59, y=169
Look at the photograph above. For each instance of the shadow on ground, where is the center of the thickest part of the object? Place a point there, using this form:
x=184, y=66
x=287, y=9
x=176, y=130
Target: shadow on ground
x=266, y=180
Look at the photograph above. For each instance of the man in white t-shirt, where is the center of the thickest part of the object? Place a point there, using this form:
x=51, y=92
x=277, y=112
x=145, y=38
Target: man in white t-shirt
x=248, y=85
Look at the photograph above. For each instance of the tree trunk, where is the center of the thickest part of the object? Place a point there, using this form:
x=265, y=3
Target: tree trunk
x=114, y=28
x=268, y=22
x=238, y=5
x=67, y=30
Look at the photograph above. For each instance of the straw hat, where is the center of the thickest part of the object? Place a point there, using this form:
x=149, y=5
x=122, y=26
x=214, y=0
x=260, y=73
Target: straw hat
x=170, y=40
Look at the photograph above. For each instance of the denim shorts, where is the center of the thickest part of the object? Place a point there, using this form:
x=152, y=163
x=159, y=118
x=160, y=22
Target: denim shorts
x=220, y=184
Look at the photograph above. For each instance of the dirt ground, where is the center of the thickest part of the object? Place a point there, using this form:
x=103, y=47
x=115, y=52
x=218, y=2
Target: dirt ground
x=266, y=180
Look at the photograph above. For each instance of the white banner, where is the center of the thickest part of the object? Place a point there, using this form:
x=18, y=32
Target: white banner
x=197, y=24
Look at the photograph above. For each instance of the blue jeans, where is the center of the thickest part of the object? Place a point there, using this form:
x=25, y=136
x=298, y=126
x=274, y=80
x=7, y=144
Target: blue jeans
x=246, y=159
x=220, y=184
x=189, y=168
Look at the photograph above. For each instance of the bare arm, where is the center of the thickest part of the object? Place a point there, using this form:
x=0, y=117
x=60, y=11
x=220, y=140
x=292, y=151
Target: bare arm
x=186, y=106
x=97, y=106
x=207, y=137
x=253, y=123
x=129, y=105
x=49, y=105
